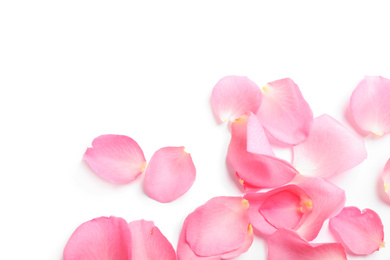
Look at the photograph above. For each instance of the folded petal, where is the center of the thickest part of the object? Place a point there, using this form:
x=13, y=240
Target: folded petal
x=287, y=244
x=257, y=167
x=386, y=178
x=232, y=96
x=100, y=238
x=149, y=243
x=170, y=174
x=330, y=149
x=116, y=158
x=370, y=105
x=284, y=112
x=360, y=232
x=218, y=227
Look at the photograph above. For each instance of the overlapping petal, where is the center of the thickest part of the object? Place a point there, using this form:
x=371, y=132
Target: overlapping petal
x=233, y=96
x=386, y=178
x=360, y=232
x=170, y=173
x=100, y=238
x=370, y=105
x=284, y=112
x=116, y=158
x=257, y=167
x=330, y=149
x=287, y=244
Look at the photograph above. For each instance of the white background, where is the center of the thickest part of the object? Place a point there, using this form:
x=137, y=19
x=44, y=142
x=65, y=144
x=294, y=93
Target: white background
x=73, y=70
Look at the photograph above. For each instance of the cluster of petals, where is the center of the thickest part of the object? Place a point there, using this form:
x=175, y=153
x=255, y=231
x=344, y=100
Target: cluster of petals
x=114, y=238
x=119, y=159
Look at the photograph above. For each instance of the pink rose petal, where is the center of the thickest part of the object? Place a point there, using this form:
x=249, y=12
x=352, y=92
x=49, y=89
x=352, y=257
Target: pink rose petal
x=149, y=243
x=170, y=174
x=100, y=238
x=232, y=96
x=360, y=232
x=284, y=112
x=257, y=167
x=386, y=178
x=370, y=105
x=286, y=244
x=115, y=158
x=330, y=149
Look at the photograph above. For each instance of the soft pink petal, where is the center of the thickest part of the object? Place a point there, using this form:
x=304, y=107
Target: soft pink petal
x=116, y=158
x=218, y=227
x=244, y=248
x=100, y=238
x=386, y=178
x=330, y=149
x=284, y=112
x=148, y=243
x=170, y=174
x=232, y=96
x=360, y=232
x=370, y=105
x=259, y=168
x=286, y=244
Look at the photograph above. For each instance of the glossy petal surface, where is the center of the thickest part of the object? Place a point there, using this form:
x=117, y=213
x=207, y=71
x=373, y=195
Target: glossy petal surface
x=100, y=238
x=330, y=149
x=370, y=105
x=360, y=232
x=386, y=178
x=233, y=96
x=116, y=158
x=284, y=112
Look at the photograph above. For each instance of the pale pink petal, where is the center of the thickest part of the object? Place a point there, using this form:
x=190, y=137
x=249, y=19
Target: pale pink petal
x=286, y=244
x=218, y=227
x=330, y=149
x=149, y=243
x=244, y=248
x=170, y=174
x=116, y=158
x=284, y=112
x=232, y=96
x=359, y=232
x=370, y=105
x=100, y=238
x=386, y=178
x=259, y=168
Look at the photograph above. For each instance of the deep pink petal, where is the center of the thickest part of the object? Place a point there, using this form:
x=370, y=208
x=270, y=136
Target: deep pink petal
x=360, y=232
x=286, y=244
x=170, y=174
x=100, y=238
x=284, y=112
x=330, y=149
x=218, y=227
x=370, y=105
x=149, y=243
x=232, y=96
x=116, y=158
x=386, y=178
x=258, y=168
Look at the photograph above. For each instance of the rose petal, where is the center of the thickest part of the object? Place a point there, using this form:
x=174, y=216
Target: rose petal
x=116, y=158
x=100, y=238
x=360, y=232
x=149, y=243
x=370, y=105
x=218, y=227
x=386, y=178
x=170, y=174
x=260, y=169
x=284, y=112
x=330, y=149
x=244, y=248
x=232, y=96
x=287, y=244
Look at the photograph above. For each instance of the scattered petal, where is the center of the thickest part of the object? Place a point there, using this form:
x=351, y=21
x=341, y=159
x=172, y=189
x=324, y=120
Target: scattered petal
x=100, y=238
x=284, y=112
x=287, y=244
x=116, y=158
x=360, y=232
x=386, y=178
x=233, y=96
x=370, y=105
x=170, y=174
x=330, y=149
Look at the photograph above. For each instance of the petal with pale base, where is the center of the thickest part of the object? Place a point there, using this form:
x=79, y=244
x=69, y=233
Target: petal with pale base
x=386, y=178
